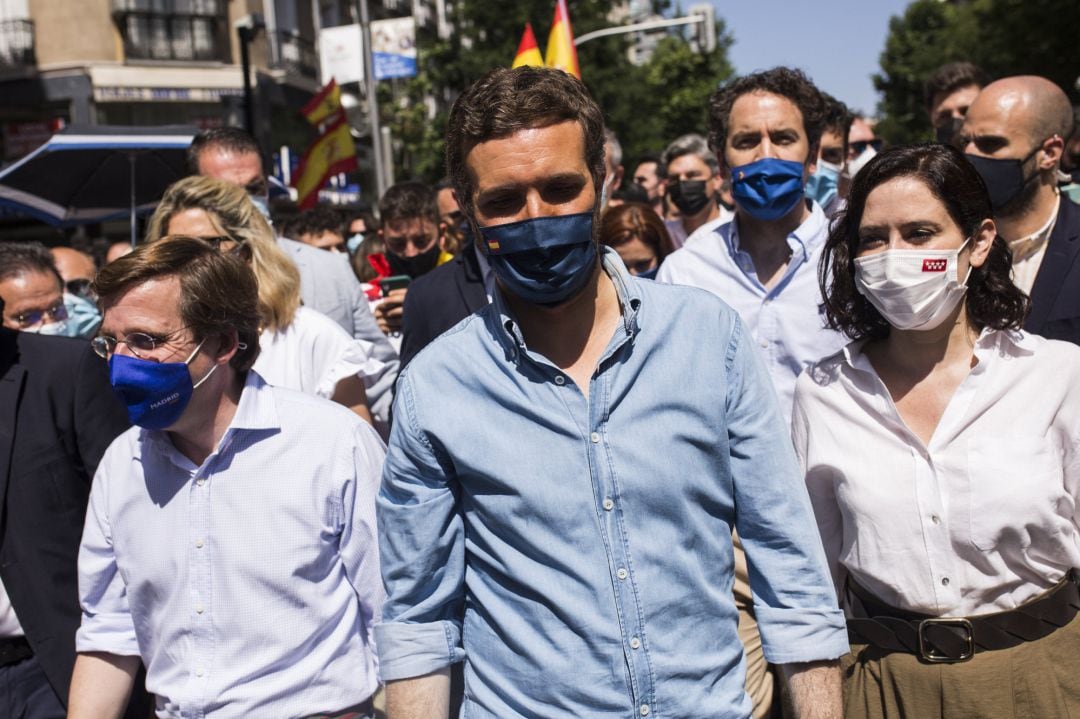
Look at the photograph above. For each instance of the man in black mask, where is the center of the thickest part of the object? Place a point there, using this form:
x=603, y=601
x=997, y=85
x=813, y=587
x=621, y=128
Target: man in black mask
x=1014, y=134
x=409, y=213
x=949, y=93
x=693, y=181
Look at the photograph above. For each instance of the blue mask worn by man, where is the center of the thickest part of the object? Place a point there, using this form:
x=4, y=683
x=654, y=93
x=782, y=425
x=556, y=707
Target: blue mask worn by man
x=155, y=393
x=544, y=260
x=769, y=188
x=822, y=185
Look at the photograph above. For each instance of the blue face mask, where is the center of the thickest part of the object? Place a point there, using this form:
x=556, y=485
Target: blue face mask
x=155, y=393
x=353, y=243
x=649, y=274
x=544, y=260
x=821, y=187
x=767, y=189
x=83, y=317
x=262, y=204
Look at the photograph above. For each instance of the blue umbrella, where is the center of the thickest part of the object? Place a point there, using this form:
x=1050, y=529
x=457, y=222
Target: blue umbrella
x=90, y=174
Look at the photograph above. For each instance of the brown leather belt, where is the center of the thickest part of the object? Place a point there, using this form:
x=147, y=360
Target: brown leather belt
x=13, y=650
x=947, y=640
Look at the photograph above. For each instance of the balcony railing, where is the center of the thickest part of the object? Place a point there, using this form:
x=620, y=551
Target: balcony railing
x=151, y=35
x=295, y=54
x=16, y=43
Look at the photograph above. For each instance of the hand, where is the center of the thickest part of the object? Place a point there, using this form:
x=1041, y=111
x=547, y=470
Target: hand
x=389, y=312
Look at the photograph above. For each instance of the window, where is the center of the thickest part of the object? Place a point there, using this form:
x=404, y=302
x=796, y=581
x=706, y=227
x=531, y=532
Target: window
x=173, y=29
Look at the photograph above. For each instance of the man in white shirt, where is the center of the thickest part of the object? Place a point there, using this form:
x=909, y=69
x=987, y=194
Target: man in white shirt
x=1014, y=134
x=230, y=539
x=765, y=129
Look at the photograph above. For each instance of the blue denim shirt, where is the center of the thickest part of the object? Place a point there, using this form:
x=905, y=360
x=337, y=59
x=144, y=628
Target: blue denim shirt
x=577, y=552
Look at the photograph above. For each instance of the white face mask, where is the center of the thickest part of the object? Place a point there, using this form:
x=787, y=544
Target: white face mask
x=912, y=289
x=859, y=162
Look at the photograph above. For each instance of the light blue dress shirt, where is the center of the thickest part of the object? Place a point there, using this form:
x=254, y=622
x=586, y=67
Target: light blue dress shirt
x=788, y=321
x=577, y=552
x=249, y=585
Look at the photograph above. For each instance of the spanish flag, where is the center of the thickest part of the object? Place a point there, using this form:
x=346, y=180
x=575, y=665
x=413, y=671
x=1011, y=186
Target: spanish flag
x=324, y=105
x=561, y=52
x=528, y=52
x=332, y=153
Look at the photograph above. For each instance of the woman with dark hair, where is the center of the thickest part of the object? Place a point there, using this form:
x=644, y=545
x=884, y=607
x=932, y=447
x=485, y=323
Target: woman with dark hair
x=942, y=455
x=638, y=235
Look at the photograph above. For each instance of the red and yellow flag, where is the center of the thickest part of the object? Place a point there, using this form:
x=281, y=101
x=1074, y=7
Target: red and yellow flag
x=561, y=52
x=528, y=52
x=332, y=153
x=323, y=106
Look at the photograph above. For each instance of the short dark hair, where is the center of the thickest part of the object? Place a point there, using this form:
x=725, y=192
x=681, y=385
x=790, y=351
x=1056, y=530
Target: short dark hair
x=636, y=219
x=317, y=220
x=18, y=258
x=838, y=118
x=232, y=139
x=503, y=102
x=218, y=292
x=950, y=77
x=992, y=299
x=653, y=157
x=783, y=81
x=408, y=200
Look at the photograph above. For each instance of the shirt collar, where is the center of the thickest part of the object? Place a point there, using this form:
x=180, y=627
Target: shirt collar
x=802, y=240
x=1025, y=247
x=990, y=341
x=509, y=333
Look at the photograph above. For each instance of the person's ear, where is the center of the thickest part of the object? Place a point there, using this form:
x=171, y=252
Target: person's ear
x=981, y=242
x=1052, y=149
x=228, y=346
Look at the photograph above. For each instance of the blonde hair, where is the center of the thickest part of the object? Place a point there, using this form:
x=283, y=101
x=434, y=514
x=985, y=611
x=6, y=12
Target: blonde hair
x=233, y=211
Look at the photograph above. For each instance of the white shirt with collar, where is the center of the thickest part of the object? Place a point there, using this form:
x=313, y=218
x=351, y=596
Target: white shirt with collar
x=1028, y=252
x=981, y=519
x=787, y=321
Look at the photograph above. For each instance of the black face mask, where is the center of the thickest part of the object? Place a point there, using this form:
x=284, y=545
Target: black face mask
x=946, y=134
x=1004, y=178
x=689, y=196
x=417, y=264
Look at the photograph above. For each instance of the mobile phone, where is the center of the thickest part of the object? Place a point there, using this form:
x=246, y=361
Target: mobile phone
x=394, y=282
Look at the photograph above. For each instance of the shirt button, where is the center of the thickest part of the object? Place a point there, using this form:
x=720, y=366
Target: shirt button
x=560, y=380
x=198, y=672
x=635, y=643
x=944, y=581
x=200, y=481
x=644, y=710
x=199, y=609
x=935, y=519
x=595, y=437
x=622, y=573
x=608, y=504
x=199, y=543
x=764, y=343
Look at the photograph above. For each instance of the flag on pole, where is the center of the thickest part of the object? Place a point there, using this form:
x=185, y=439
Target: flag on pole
x=324, y=105
x=561, y=52
x=528, y=52
x=333, y=152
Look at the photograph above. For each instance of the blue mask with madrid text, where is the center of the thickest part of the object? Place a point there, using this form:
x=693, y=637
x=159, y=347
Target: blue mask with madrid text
x=769, y=188
x=543, y=260
x=155, y=393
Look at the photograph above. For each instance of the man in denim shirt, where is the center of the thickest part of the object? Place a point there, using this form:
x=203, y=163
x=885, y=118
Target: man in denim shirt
x=570, y=540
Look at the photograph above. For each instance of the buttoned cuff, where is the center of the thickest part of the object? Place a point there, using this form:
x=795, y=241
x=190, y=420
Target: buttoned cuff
x=795, y=636
x=413, y=650
x=108, y=633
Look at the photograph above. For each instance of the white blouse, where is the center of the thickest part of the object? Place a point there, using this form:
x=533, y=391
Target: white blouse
x=982, y=519
x=313, y=354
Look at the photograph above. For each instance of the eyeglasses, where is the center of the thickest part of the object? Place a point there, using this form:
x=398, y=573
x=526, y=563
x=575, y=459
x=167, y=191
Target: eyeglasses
x=33, y=318
x=137, y=342
x=221, y=243
x=859, y=146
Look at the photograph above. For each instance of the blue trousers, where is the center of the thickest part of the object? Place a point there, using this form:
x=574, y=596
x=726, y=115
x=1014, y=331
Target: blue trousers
x=25, y=693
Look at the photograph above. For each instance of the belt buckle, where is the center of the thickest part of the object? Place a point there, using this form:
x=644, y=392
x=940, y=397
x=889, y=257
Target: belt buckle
x=926, y=652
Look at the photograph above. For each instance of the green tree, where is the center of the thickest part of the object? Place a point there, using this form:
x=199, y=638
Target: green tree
x=646, y=106
x=1004, y=37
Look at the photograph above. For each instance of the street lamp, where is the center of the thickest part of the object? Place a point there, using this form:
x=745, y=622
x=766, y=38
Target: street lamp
x=247, y=28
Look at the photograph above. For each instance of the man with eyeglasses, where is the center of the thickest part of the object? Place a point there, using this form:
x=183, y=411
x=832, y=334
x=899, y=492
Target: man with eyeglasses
x=32, y=289
x=230, y=536
x=57, y=417
x=1014, y=134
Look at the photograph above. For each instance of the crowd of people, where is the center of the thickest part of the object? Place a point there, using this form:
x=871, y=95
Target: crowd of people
x=782, y=423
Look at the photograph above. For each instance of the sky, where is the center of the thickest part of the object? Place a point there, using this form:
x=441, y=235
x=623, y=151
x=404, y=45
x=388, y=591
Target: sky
x=836, y=42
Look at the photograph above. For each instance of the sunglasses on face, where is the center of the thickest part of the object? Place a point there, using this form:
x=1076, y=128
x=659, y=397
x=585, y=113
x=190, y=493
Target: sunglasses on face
x=33, y=318
x=859, y=146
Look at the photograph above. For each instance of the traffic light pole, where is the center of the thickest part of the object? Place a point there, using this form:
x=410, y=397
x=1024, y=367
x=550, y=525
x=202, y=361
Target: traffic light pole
x=371, y=88
x=649, y=25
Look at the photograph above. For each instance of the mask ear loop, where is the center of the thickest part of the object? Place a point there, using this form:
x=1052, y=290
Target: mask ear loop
x=970, y=266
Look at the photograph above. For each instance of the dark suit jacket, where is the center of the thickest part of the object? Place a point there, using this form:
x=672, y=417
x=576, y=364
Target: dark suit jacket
x=58, y=414
x=439, y=300
x=1055, y=296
